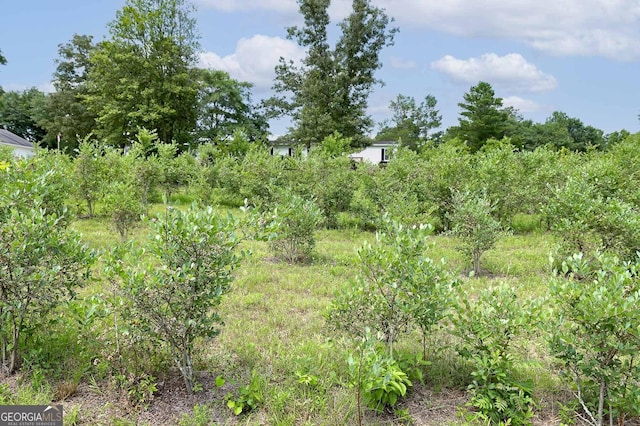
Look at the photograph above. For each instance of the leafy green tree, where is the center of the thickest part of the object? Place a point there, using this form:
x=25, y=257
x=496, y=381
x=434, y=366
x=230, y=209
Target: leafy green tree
x=88, y=175
x=397, y=288
x=225, y=107
x=594, y=333
x=3, y=60
x=411, y=124
x=473, y=224
x=65, y=112
x=614, y=138
x=143, y=76
x=41, y=263
x=481, y=117
x=19, y=112
x=298, y=220
x=328, y=92
x=581, y=136
x=175, y=288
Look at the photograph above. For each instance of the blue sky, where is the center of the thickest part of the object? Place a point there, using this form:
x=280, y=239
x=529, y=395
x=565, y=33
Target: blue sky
x=577, y=56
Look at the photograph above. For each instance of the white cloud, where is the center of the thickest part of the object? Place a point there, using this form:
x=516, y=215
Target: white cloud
x=254, y=59
x=609, y=28
x=400, y=63
x=338, y=9
x=523, y=105
x=281, y=6
x=510, y=71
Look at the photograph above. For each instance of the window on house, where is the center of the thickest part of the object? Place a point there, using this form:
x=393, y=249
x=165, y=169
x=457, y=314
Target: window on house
x=385, y=155
x=290, y=152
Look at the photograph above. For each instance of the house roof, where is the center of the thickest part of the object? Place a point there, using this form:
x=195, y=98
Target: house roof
x=384, y=144
x=8, y=138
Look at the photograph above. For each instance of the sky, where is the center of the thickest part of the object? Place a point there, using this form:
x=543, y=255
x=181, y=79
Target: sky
x=581, y=57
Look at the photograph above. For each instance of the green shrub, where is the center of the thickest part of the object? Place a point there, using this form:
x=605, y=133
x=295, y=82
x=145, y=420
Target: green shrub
x=41, y=264
x=473, y=224
x=585, y=221
x=397, y=287
x=487, y=330
x=173, y=288
x=248, y=397
x=594, y=334
x=124, y=207
x=297, y=220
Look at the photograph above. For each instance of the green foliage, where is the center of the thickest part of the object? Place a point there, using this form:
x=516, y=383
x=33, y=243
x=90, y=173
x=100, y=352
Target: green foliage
x=41, y=265
x=594, y=333
x=497, y=396
x=523, y=223
x=381, y=381
x=123, y=205
x=297, y=220
x=65, y=113
x=488, y=330
x=411, y=123
x=88, y=176
x=200, y=416
x=225, y=108
x=397, y=287
x=248, y=397
x=329, y=91
x=581, y=137
x=142, y=76
x=472, y=223
x=19, y=113
x=174, y=289
x=447, y=170
x=335, y=145
x=43, y=180
x=585, y=220
x=140, y=390
x=482, y=117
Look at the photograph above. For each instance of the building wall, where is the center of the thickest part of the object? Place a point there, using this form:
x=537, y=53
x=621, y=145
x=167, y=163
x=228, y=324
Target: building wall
x=21, y=152
x=372, y=154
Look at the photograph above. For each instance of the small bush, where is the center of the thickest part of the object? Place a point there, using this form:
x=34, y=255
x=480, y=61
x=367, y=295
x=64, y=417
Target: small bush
x=473, y=224
x=487, y=331
x=297, y=222
x=595, y=335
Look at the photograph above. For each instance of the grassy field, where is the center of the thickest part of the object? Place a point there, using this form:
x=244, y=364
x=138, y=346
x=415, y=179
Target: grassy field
x=275, y=338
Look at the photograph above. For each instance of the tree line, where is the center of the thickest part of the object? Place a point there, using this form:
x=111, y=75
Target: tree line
x=146, y=75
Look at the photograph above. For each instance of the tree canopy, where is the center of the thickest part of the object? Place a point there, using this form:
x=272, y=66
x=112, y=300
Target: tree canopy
x=142, y=76
x=328, y=91
x=481, y=117
x=18, y=112
x=66, y=113
x=411, y=124
x=225, y=107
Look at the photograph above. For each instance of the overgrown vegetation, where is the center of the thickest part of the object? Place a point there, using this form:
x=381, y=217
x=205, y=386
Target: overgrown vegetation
x=368, y=328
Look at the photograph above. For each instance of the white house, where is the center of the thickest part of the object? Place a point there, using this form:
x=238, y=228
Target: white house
x=377, y=153
x=284, y=150
x=20, y=146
